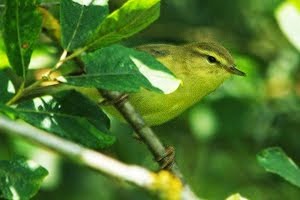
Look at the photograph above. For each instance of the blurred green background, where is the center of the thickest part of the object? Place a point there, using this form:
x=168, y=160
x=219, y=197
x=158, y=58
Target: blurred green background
x=217, y=140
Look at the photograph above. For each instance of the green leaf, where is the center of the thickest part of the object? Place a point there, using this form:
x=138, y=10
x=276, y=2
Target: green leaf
x=6, y=88
x=79, y=19
x=20, y=178
x=22, y=25
x=276, y=161
x=132, y=17
x=123, y=69
x=69, y=115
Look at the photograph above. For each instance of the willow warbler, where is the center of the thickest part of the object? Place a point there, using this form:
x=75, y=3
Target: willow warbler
x=201, y=66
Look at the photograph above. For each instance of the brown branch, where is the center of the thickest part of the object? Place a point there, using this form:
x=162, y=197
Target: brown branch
x=138, y=124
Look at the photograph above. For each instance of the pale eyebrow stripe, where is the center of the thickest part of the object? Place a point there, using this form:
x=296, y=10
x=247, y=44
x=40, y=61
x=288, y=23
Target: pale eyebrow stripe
x=195, y=52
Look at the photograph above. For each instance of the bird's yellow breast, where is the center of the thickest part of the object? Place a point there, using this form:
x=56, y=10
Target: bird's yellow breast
x=157, y=108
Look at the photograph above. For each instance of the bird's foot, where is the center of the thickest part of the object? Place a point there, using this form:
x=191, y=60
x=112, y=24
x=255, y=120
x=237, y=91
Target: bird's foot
x=116, y=101
x=167, y=160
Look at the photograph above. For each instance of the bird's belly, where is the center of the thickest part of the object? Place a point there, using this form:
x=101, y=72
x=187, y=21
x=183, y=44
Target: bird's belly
x=166, y=113
x=159, y=108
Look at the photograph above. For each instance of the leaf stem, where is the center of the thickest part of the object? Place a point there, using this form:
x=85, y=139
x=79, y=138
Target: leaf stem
x=17, y=95
x=75, y=54
x=22, y=91
x=33, y=86
x=57, y=65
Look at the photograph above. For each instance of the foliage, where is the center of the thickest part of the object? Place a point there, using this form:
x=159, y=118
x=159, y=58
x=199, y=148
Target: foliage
x=84, y=25
x=122, y=72
x=22, y=25
x=276, y=161
x=216, y=141
x=20, y=178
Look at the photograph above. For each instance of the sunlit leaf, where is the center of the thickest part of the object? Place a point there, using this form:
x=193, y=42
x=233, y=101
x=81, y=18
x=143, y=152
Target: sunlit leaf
x=20, y=178
x=288, y=18
x=79, y=19
x=123, y=69
x=132, y=17
x=22, y=25
x=276, y=161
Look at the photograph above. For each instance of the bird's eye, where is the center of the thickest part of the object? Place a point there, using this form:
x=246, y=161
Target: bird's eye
x=211, y=59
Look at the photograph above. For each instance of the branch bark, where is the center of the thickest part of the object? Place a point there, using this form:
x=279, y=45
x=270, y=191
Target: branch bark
x=144, y=132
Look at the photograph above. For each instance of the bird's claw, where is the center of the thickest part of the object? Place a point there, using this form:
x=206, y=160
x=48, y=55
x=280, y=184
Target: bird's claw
x=166, y=161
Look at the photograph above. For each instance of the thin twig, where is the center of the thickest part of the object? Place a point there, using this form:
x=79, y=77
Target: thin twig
x=17, y=95
x=162, y=183
x=69, y=149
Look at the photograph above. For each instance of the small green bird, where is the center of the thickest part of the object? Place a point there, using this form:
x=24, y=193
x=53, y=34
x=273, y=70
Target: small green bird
x=202, y=67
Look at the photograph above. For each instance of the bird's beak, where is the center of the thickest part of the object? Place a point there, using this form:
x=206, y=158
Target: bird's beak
x=235, y=71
